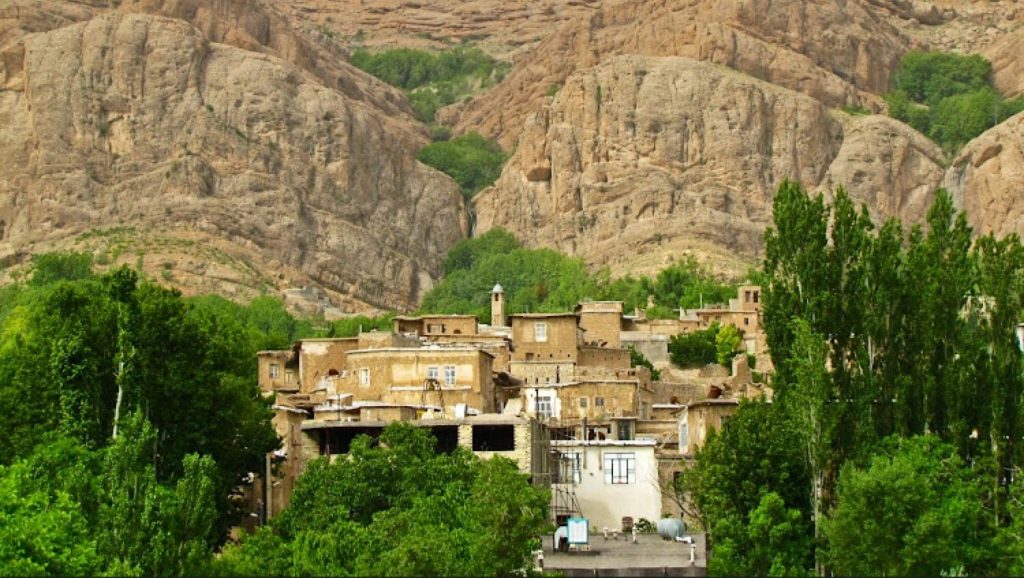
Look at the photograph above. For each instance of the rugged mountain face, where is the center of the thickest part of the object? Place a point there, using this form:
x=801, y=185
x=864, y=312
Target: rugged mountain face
x=505, y=27
x=132, y=120
x=838, y=53
x=987, y=179
x=236, y=127
x=645, y=155
x=640, y=155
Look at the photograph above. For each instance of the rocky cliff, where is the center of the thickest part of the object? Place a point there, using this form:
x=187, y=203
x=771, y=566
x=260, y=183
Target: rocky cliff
x=141, y=122
x=647, y=155
x=987, y=179
x=838, y=53
x=226, y=145
x=647, y=149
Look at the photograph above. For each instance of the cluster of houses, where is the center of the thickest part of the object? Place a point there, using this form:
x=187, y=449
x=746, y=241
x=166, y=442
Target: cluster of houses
x=554, y=392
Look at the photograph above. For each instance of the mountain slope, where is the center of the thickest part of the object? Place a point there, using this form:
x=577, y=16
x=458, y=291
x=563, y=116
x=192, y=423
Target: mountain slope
x=140, y=121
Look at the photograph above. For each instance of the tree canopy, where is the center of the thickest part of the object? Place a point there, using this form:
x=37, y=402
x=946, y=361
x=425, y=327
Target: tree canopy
x=542, y=280
x=397, y=507
x=948, y=97
x=895, y=357
x=75, y=347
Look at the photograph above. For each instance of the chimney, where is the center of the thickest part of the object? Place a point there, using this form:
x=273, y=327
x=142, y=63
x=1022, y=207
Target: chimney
x=497, y=306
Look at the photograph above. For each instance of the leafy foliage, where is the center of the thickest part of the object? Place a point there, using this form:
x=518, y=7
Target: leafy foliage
x=948, y=97
x=686, y=284
x=473, y=161
x=695, y=349
x=352, y=326
x=432, y=79
x=638, y=359
x=916, y=510
x=878, y=338
x=52, y=267
x=541, y=280
x=727, y=341
x=187, y=365
x=398, y=508
x=72, y=511
x=747, y=484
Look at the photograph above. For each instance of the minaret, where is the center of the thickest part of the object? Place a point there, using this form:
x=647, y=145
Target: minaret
x=497, y=306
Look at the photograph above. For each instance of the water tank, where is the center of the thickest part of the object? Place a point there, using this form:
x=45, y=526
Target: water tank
x=671, y=528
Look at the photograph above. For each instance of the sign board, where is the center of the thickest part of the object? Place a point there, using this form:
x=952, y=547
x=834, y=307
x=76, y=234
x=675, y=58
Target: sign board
x=579, y=530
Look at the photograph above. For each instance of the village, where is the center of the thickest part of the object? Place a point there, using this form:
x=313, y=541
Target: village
x=554, y=392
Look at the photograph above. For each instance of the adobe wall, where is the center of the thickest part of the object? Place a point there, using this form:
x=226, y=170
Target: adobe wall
x=560, y=344
x=603, y=357
x=601, y=327
x=285, y=361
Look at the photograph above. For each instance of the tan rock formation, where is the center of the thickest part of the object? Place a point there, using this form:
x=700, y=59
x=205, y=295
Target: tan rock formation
x=645, y=154
x=987, y=179
x=886, y=165
x=1007, y=64
x=504, y=27
x=133, y=120
x=838, y=53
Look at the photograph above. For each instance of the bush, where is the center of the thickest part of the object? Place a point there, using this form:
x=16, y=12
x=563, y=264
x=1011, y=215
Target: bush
x=694, y=349
x=959, y=118
x=473, y=161
x=726, y=342
x=685, y=284
x=948, y=97
x=545, y=280
x=431, y=79
x=928, y=77
x=637, y=359
x=52, y=267
x=645, y=526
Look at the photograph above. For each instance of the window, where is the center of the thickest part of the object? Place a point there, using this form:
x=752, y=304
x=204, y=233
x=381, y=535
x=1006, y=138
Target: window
x=494, y=438
x=435, y=328
x=620, y=468
x=289, y=376
x=583, y=403
x=449, y=375
x=625, y=430
x=757, y=295
x=432, y=374
x=598, y=402
x=540, y=331
x=364, y=376
x=544, y=407
x=275, y=371
x=572, y=466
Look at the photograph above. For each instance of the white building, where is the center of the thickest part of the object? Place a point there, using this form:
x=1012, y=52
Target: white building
x=613, y=479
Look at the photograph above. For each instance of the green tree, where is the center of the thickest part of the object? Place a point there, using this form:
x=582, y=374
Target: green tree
x=638, y=359
x=775, y=542
x=808, y=402
x=686, y=284
x=110, y=344
x=916, y=510
x=432, y=80
x=727, y=341
x=42, y=532
x=473, y=161
x=696, y=348
x=397, y=507
x=49, y=268
x=751, y=457
x=948, y=97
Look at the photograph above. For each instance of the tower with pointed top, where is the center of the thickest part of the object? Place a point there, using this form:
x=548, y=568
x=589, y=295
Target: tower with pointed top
x=497, y=306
